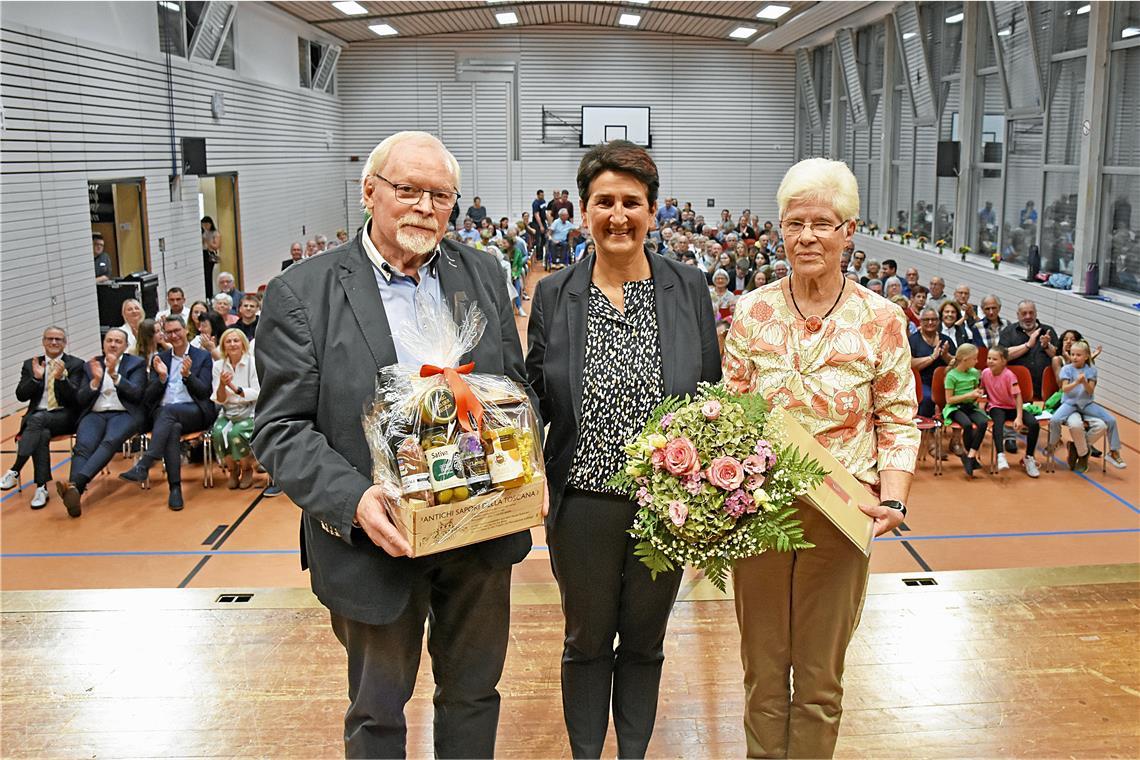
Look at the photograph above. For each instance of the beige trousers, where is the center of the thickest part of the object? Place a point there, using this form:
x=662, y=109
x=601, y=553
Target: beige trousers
x=797, y=612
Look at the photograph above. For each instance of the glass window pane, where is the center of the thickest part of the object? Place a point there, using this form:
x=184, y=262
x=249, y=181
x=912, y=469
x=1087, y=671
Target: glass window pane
x=1066, y=107
x=1017, y=55
x=1121, y=248
x=945, y=20
x=903, y=163
x=1070, y=21
x=986, y=57
x=1059, y=222
x=947, y=186
x=984, y=232
x=991, y=120
x=1125, y=20
x=170, y=39
x=925, y=166
x=1123, y=138
x=1023, y=186
x=869, y=43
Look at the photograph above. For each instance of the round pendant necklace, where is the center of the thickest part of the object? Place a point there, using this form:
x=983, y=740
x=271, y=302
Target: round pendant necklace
x=815, y=324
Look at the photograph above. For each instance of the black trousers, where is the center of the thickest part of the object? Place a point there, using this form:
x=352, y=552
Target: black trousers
x=170, y=424
x=973, y=422
x=607, y=592
x=467, y=605
x=1002, y=416
x=98, y=437
x=35, y=440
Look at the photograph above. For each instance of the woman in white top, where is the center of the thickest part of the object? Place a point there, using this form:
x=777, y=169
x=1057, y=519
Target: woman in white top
x=235, y=389
x=133, y=314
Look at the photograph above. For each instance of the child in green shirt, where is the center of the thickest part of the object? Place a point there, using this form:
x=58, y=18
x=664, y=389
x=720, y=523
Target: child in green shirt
x=965, y=401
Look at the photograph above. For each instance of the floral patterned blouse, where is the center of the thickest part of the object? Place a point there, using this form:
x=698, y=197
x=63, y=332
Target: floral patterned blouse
x=850, y=384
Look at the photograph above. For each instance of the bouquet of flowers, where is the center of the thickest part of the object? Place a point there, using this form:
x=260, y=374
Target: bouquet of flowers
x=964, y=249
x=714, y=483
x=922, y=242
x=940, y=245
x=995, y=259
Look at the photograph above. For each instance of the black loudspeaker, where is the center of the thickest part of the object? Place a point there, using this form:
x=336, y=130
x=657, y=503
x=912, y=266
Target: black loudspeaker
x=148, y=290
x=194, y=156
x=111, y=296
x=1034, y=264
x=949, y=157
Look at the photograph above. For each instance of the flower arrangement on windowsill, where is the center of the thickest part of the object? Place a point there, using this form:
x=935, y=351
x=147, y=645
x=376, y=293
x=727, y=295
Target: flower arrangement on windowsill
x=907, y=237
x=891, y=232
x=995, y=257
x=860, y=225
x=940, y=244
x=964, y=249
x=922, y=242
x=873, y=228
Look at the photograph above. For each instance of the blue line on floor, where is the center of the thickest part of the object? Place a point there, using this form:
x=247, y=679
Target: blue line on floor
x=1086, y=478
x=31, y=482
x=192, y=553
x=1031, y=534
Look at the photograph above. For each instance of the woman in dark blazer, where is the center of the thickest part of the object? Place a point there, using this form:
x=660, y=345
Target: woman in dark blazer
x=610, y=338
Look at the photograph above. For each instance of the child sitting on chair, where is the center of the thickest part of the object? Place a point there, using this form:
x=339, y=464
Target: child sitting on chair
x=1078, y=383
x=964, y=403
x=1006, y=405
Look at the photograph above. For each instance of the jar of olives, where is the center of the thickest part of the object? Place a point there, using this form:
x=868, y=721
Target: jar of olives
x=445, y=469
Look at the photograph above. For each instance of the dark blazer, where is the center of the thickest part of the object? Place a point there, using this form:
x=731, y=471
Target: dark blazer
x=31, y=390
x=322, y=338
x=132, y=384
x=199, y=384
x=557, y=354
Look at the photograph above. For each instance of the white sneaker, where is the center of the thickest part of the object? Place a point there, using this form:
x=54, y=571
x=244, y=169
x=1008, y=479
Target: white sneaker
x=1031, y=468
x=40, y=498
x=9, y=480
x=1002, y=464
x=522, y=313
x=1116, y=460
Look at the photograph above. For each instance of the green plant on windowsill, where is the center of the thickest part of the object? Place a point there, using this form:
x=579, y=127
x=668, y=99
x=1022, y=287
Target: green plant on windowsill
x=964, y=249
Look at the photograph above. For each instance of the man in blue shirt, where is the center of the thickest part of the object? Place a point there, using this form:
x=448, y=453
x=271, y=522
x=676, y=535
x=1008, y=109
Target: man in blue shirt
x=667, y=213
x=559, y=233
x=468, y=234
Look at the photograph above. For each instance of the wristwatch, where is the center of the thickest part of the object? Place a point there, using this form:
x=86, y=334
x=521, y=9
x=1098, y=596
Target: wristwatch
x=894, y=504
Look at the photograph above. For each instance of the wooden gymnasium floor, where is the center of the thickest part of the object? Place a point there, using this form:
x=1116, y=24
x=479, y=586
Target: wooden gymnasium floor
x=1025, y=646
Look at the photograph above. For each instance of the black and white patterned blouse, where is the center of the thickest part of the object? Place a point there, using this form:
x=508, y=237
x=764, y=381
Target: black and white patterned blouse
x=621, y=383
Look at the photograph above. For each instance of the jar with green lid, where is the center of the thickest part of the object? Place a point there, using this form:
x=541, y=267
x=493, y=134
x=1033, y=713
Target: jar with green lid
x=444, y=467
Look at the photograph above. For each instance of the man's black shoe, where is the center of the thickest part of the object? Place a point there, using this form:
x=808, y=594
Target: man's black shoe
x=175, y=500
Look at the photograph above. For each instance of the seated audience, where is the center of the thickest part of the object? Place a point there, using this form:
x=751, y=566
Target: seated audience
x=723, y=299
x=197, y=310
x=1063, y=357
x=1005, y=404
x=956, y=326
x=226, y=285
x=296, y=253
x=873, y=271
x=989, y=327
x=759, y=279
x=779, y=270
x=892, y=287
x=915, y=305
x=175, y=304
x=147, y=343
x=1030, y=343
x=179, y=393
x=938, y=294
x=929, y=350
x=235, y=389
x=247, y=317
x=133, y=314
x=875, y=285
x=210, y=325
x=49, y=384
x=110, y=402
x=965, y=401
x=1078, y=384
x=224, y=307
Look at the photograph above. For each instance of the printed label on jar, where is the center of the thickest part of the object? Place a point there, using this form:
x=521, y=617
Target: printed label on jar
x=443, y=464
x=505, y=465
x=416, y=482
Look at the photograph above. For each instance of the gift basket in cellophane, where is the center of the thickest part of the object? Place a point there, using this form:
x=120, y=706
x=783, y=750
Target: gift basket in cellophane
x=458, y=450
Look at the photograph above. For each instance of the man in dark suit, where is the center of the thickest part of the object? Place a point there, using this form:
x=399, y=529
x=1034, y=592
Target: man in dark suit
x=111, y=411
x=178, y=392
x=325, y=331
x=295, y=254
x=48, y=383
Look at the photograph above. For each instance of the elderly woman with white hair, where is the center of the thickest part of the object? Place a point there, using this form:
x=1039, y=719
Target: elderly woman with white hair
x=723, y=299
x=224, y=307
x=235, y=390
x=836, y=357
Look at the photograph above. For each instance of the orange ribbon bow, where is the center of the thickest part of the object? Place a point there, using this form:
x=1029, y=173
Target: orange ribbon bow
x=468, y=410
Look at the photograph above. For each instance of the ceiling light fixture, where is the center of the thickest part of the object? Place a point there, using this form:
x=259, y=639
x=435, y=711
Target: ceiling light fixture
x=909, y=35
x=351, y=8
x=639, y=2
x=506, y=18
x=772, y=12
x=956, y=18
x=1005, y=32
x=629, y=19
x=1129, y=31
x=170, y=6
x=1083, y=10
x=742, y=32
x=383, y=30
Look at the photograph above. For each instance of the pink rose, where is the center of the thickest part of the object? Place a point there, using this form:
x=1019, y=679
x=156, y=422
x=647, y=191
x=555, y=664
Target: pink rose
x=754, y=464
x=678, y=513
x=711, y=409
x=754, y=481
x=725, y=473
x=657, y=458
x=681, y=457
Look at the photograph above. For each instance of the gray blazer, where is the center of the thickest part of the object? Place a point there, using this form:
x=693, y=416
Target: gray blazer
x=322, y=338
x=557, y=351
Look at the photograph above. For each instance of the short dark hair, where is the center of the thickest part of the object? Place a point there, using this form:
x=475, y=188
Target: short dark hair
x=176, y=289
x=540, y=191
x=890, y=263
x=1002, y=351
x=618, y=156
x=919, y=290
x=174, y=318
x=96, y=235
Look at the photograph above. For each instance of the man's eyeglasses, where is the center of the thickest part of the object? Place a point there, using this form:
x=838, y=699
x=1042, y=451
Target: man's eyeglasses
x=410, y=195
x=819, y=229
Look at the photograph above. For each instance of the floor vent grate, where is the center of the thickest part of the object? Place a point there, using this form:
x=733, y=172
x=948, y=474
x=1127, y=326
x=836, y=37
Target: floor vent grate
x=920, y=582
x=233, y=598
